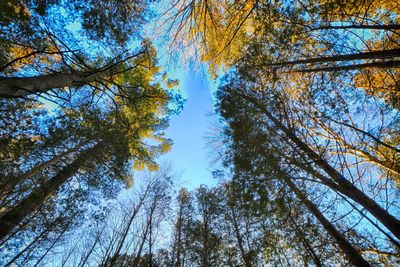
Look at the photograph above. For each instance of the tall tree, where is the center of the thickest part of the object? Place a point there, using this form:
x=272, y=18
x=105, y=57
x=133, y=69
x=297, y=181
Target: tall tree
x=248, y=105
x=93, y=143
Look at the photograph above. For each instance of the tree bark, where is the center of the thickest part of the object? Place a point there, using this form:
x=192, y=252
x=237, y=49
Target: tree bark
x=37, y=238
x=205, y=250
x=52, y=245
x=124, y=235
x=364, y=133
x=16, y=215
x=22, y=86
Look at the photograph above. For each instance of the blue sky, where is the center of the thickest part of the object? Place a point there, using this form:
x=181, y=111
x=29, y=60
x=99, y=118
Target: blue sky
x=190, y=154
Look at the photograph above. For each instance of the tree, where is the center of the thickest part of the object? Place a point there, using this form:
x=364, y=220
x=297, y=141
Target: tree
x=349, y=39
x=202, y=239
x=125, y=237
x=178, y=249
x=41, y=55
x=90, y=147
x=247, y=104
x=101, y=77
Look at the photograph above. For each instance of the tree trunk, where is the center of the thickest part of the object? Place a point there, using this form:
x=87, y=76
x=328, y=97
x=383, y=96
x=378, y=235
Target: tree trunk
x=15, y=215
x=381, y=65
x=136, y=259
x=52, y=244
x=386, y=164
x=380, y=54
x=205, y=250
x=86, y=257
x=124, y=235
x=178, y=241
x=352, y=254
x=8, y=187
x=341, y=183
x=37, y=238
x=386, y=27
x=303, y=239
x=150, y=242
x=246, y=260
x=326, y=181
x=23, y=86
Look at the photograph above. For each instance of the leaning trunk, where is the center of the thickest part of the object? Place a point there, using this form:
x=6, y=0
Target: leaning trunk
x=380, y=54
x=340, y=183
x=386, y=27
x=23, y=86
x=245, y=258
x=10, y=185
x=375, y=64
x=352, y=253
x=16, y=215
x=305, y=242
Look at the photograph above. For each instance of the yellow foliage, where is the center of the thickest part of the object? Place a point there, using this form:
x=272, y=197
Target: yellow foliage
x=19, y=52
x=383, y=83
x=141, y=165
x=343, y=10
x=219, y=30
x=23, y=56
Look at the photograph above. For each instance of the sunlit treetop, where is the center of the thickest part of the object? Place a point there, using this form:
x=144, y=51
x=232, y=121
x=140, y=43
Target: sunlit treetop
x=215, y=31
x=219, y=31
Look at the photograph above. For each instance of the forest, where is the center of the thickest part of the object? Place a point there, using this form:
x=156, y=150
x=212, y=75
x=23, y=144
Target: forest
x=306, y=155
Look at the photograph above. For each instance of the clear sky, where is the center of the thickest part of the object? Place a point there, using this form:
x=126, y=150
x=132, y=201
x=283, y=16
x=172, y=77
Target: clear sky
x=190, y=154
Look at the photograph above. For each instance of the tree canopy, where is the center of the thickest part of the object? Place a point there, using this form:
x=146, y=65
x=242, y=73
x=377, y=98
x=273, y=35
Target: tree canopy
x=308, y=100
